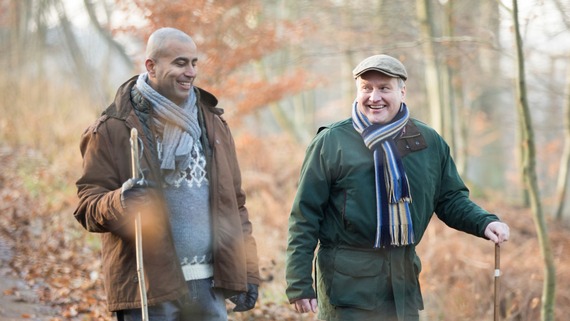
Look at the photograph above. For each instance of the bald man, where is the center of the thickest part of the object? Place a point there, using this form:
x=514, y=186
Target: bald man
x=198, y=246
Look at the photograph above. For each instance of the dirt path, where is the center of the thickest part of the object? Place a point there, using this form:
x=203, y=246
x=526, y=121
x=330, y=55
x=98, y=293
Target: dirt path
x=17, y=301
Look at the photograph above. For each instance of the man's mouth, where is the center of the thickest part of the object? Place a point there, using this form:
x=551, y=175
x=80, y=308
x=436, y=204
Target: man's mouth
x=185, y=84
x=377, y=106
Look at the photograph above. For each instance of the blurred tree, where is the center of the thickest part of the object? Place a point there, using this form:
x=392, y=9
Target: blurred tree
x=105, y=29
x=431, y=70
x=236, y=37
x=41, y=41
x=342, y=33
x=464, y=38
x=83, y=70
x=450, y=108
x=23, y=28
x=486, y=89
x=458, y=39
x=291, y=112
x=563, y=176
x=530, y=176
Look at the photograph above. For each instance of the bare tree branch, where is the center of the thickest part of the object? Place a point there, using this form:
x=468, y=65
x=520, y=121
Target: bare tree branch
x=105, y=33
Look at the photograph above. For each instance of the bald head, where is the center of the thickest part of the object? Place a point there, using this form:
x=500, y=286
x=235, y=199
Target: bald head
x=157, y=42
x=171, y=64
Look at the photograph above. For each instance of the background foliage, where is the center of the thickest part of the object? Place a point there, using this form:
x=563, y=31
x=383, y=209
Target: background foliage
x=281, y=69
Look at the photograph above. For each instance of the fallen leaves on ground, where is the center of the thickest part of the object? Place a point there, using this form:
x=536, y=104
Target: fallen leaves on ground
x=61, y=262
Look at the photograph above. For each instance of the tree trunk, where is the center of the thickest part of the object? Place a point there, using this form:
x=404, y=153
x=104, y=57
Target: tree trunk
x=84, y=72
x=531, y=180
x=562, y=185
x=431, y=73
x=447, y=71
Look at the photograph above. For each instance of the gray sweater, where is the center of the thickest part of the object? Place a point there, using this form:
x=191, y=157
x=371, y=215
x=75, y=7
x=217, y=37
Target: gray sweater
x=188, y=201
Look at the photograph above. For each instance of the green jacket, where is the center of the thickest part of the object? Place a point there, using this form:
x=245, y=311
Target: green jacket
x=335, y=208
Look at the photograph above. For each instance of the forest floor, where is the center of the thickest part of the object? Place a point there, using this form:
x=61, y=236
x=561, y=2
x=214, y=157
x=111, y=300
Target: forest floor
x=49, y=267
x=17, y=300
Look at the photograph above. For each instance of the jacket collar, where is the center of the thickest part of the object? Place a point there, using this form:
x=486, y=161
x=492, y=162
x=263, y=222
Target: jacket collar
x=411, y=139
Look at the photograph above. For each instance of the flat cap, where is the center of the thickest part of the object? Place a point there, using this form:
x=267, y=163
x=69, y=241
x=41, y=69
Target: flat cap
x=383, y=63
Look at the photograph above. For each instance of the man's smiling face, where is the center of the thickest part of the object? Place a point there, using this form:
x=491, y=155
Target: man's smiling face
x=379, y=96
x=172, y=73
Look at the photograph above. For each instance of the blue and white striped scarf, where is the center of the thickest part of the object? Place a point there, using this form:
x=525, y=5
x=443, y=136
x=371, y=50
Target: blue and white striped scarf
x=394, y=222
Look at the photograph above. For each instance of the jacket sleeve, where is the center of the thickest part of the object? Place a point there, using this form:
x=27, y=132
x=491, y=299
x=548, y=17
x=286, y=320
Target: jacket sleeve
x=304, y=221
x=453, y=205
x=98, y=189
x=247, y=228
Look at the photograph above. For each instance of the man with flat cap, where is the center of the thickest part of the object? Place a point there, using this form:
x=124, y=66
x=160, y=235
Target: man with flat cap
x=368, y=188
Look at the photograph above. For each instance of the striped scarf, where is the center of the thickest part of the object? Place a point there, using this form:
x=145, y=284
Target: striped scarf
x=394, y=221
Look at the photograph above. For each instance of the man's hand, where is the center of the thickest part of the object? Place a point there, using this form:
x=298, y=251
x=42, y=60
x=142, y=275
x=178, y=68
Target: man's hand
x=245, y=301
x=306, y=305
x=134, y=193
x=497, y=232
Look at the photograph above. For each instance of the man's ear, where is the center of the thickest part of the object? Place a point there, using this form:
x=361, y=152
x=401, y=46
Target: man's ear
x=149, y=64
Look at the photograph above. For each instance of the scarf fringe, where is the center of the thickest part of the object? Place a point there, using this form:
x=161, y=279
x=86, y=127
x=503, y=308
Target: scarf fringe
x=402, y=236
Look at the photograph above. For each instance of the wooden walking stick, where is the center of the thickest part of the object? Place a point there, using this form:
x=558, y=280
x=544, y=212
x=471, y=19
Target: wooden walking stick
x=497, y=275
x=135, y=167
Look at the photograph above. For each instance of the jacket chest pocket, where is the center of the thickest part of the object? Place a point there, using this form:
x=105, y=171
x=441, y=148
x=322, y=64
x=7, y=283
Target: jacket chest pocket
x=360, y=279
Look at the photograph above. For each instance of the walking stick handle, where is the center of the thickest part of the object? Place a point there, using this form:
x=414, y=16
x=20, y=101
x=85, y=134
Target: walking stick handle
x=497, y=275
x=135, y=163
x=135, y=167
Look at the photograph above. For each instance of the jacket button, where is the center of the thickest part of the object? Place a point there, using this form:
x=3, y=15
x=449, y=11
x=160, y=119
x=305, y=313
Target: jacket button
x=217, y=141
x=135, y=279
x=407, y=146
x=417, y=143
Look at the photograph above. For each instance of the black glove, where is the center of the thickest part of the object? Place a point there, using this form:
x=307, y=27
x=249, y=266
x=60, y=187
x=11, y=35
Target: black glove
x=134, y=193
x=246, y=300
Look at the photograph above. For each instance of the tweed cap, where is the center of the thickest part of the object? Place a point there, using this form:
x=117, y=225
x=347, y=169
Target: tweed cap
x=383, y=63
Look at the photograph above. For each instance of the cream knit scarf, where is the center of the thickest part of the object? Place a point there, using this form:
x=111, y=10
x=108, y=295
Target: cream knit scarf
x=177, y=126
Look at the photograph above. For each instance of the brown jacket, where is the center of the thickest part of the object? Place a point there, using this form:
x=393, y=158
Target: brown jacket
x=106, y=165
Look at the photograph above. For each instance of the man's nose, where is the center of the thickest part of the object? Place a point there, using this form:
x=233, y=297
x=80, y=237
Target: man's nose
x=375, y=95
x=190, y=71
